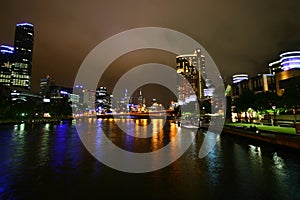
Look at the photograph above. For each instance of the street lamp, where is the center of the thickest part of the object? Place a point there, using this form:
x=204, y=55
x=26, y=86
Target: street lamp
x=274, y=120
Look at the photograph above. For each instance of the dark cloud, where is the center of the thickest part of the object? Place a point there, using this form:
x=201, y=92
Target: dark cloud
x=241, y=36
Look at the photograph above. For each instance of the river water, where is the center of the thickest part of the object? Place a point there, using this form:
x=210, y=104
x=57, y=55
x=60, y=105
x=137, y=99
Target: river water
x=49, y=161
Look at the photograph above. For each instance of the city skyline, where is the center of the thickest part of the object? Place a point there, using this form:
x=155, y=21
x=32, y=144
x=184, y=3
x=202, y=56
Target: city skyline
x=240, y=37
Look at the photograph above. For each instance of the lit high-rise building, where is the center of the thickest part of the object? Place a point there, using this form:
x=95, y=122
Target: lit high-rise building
x=192, y=67
x=102, y=100
x=23, y=47
x=141, y=102
x=89, y=100
x=286, y=69
x=47, y=85
x=6, y=60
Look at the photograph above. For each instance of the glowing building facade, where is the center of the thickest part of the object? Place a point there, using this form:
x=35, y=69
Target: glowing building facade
x=6, y=60
x=286, y=69
x=16, y=62
x=239, y=81
x=288, y=60
x=192, y=68
x=21, y=73
x=103, y=101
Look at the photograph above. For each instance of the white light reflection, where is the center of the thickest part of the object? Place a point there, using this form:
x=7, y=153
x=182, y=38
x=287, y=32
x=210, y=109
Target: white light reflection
x=278, y=161
x=210, y=141
x=214, y=163
x=255, y=154
x=22, y=128
x=47, y=126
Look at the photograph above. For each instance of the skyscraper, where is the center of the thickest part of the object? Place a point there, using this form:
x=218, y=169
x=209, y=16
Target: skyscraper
x=6, y=60
x=102, y=101
x=23, y=46
x=192, y=67
x=47, y=87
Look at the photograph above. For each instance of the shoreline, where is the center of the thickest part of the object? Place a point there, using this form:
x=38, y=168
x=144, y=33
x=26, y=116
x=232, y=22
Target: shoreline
x=291, y=141
x=33, y=121
x=275, y=138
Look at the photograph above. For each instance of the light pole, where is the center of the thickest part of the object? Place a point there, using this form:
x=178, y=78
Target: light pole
x=274, y=118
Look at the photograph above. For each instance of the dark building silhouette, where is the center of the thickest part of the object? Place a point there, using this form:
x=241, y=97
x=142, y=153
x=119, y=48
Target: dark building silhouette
x=47, y=86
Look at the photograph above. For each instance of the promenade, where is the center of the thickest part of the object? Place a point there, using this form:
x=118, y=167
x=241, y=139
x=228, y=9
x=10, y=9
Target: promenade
x=282, y=136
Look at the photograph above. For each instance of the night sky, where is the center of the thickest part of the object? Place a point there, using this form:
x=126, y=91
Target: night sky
x=241, y=36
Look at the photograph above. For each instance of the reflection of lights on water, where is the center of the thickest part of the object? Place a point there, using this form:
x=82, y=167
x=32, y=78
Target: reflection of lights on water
x=19, y=128
x=255, y=153
x=209, y=143
x=214, y=163
x=74, y=122
x=278, y=161
x=44, y=145
x=173, y=130
x=157, y=125
x=140, y=130
x=47, y=126
x=255, y=150
x=22, y=127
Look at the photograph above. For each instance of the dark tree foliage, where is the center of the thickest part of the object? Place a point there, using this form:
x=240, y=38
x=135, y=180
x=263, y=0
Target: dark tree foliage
x=265, y=101
x=244, y=101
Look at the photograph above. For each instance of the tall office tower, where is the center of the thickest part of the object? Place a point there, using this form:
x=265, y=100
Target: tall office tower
x=6, y=60
x=89, y=100
x=23, y=44
x=141, y=102
x=102, y=101
x=192, y=67
x=186, y=66
x=47, y=85
x=78, y=90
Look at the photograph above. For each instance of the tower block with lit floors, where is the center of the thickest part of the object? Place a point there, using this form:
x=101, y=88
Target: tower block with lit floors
x=192, y=68
x=141, y=102
x=6, y=60
x=23, y=47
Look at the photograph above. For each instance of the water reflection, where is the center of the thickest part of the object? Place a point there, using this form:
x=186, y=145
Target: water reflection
x=50, y=159
x=43, y=150
x=278, y=161
x=255, y=155
x=213, y=159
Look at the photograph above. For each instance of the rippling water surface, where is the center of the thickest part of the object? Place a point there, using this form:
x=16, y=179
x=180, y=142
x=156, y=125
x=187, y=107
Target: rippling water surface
x=49, y=161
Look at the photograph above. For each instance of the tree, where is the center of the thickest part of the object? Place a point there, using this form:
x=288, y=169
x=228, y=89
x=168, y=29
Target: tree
x=244, y=101
x=265, y=101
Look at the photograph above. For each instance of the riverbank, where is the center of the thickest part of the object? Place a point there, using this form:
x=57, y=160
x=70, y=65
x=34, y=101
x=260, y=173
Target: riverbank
x=34, y=121
x=285, y=138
